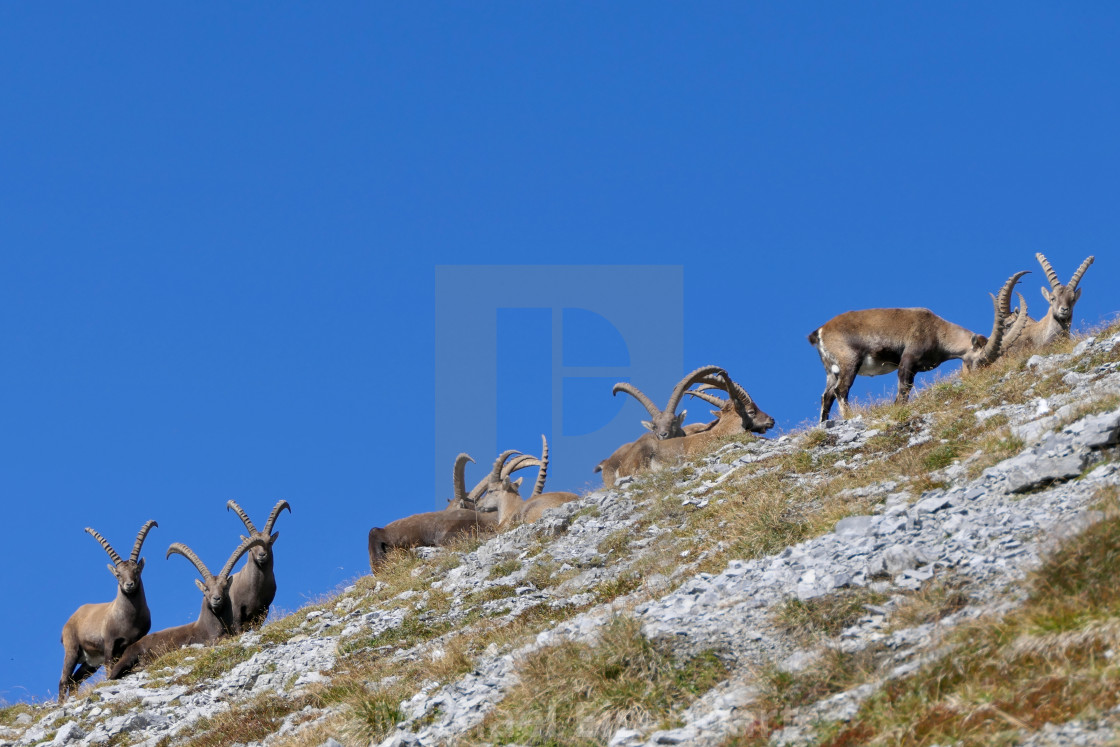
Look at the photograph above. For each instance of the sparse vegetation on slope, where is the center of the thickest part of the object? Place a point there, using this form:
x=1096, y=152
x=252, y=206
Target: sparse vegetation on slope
x=429, y=620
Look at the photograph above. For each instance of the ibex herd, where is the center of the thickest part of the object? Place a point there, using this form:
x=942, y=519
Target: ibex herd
x=115, y=634
x=868, y=342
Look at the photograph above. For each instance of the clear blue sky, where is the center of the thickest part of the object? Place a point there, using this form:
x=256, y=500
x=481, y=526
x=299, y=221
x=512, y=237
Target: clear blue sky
x=220, y=228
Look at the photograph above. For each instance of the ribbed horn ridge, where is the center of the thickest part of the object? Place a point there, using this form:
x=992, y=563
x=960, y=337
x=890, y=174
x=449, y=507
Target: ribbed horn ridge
x=280, y=506
x=108, y=548
x=542, y=474
x=1050, y=274
x=140, y=539
x=689, y=380
x=241, y=550
x=458, y=477
x=496, y=472
x=518, y=463
x=711, y=399
x=232, y=504
x=636, y=393
x=178, y=548
x=992, y=350
x=1080, y=271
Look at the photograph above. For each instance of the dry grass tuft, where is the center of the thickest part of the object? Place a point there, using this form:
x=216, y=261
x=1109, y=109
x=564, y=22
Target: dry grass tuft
x=580, y=694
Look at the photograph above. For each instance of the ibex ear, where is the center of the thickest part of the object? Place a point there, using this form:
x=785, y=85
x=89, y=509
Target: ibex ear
x=112, y=569
x=1046, y=294
x=201, y=586
x=140, y=565
x=1076, y=295
x=979, y=341
x=648, y=425
x=717, y=413
x=275, y=536
x=680, y=418
x=517, y=483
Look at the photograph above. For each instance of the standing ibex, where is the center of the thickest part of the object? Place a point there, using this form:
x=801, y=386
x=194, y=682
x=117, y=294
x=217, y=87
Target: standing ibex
x=506, y=492
x=254, y=587
x=215, y=619
x=738, y=414
x=433, y=528
x=871, y=342
x=97, y=634
x=1056, y=323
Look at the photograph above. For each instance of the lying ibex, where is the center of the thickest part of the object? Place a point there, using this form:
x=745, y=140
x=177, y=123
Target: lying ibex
x=738, y=414
x=871, y=342
x=666, y=423
x=97, y=634
x=506, y=492
x=433, y=528
x=215, y=619
x=1056, y=323
x=254, y=587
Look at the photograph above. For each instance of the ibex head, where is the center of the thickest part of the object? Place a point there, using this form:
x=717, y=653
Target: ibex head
x=261, y=553
x=986, y=349
x=1062, y=297
x=127, y=572
x=753, y=419
x=666, y=423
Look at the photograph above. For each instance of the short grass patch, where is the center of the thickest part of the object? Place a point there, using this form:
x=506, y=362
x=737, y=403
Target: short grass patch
x=580, y=693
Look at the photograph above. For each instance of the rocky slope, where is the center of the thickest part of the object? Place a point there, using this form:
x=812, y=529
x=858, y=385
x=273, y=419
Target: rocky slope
x=955, y=498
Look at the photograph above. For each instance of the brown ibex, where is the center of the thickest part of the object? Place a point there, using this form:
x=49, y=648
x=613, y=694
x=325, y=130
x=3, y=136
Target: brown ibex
x=871, y=342
x=1059, y=317
x=506, y=493
x=254, y=587
x=97, y=634
x=215, y=619
x=738, y=414
x=666, y=423
x=433, y=528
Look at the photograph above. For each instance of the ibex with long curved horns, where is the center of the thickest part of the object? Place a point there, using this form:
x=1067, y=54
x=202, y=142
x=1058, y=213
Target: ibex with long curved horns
x=871, y=342
x=433, y=528
x=738, y=414
x=1058, y=319
x=97, y=634
x=254, y=587
x=666, y=423
x=215, y=619
x=505, y=493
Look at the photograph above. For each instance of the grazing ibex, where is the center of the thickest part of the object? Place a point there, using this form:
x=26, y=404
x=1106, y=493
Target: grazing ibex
x=1056, y=323
x=506, y=492
x=433, y=528
x=97, y=634
x=215, y=619
x=666, y=423
x=254, y=587
x=738, y=414
x=871, y=342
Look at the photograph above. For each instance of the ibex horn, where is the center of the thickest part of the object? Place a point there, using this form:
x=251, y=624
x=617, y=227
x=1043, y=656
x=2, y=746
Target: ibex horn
x=140, y=539
x=108, y=548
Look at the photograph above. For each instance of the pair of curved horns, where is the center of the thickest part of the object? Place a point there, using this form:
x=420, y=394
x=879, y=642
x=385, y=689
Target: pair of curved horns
x=674, y=398
x=143, y=533
x=181, y=549
x=280, y=506
x=1053, y=276
x=1001, y=304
